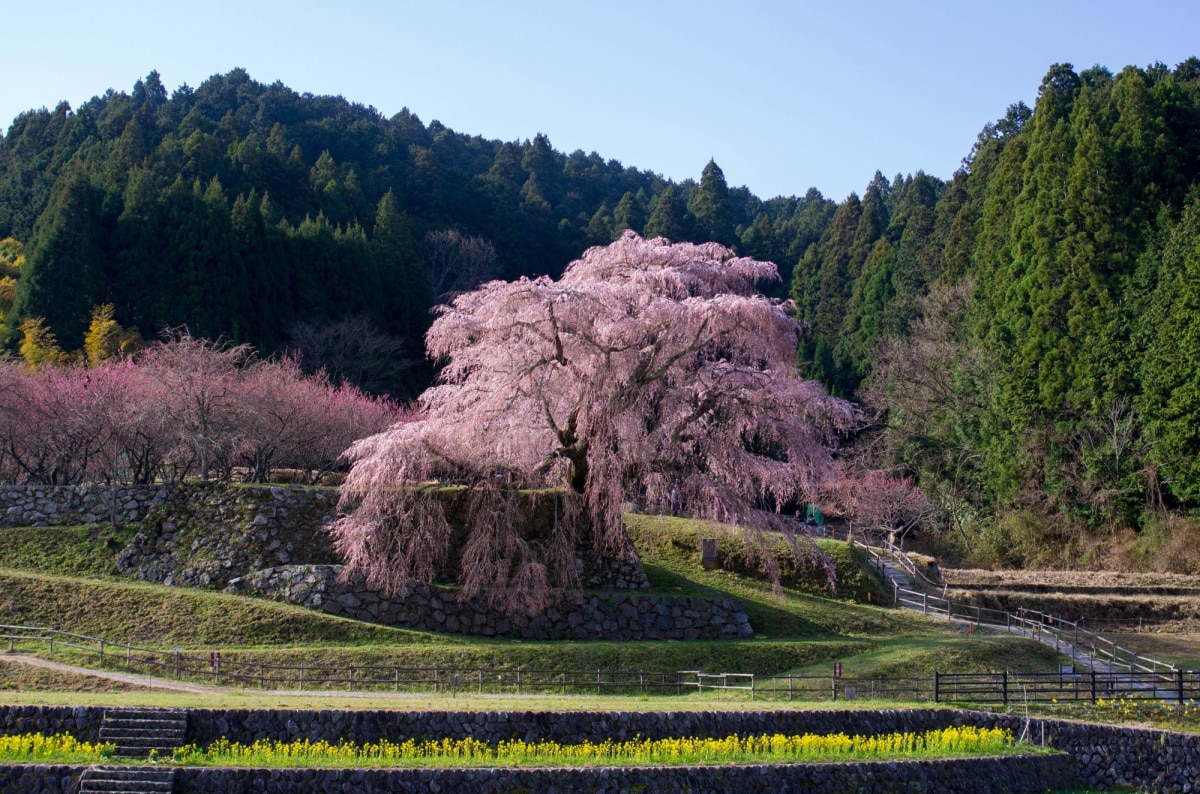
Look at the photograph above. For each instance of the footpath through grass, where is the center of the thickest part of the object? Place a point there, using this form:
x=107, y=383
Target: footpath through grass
x=798, y=630
x=462, y=701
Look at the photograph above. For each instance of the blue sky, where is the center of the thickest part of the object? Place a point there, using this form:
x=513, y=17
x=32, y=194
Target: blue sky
x=783, y=95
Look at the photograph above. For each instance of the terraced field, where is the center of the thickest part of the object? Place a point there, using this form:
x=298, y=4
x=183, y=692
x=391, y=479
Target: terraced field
x=65, y=578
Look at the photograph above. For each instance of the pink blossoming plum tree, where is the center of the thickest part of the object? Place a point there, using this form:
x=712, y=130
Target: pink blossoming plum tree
x=648, y=368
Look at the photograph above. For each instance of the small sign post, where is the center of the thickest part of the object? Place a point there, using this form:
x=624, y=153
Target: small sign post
x=837, y=669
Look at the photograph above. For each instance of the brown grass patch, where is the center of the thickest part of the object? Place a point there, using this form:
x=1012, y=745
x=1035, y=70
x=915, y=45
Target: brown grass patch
x=1070, y=580
x=18, y=677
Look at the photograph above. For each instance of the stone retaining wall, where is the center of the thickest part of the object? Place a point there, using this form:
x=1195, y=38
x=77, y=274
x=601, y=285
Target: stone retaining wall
x=964, y=776
x=248, y=725
x=1017, y=775
x=1111, y=757
x=210, y=534
x=207, y=534
x=1103, y=756
x=40, y=779
x=46, y=506
x=82, y=722
x=574, y=616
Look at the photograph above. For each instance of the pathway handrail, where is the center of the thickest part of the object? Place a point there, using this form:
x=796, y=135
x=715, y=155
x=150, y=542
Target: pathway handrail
x=1114, y=655
x=1066, y=633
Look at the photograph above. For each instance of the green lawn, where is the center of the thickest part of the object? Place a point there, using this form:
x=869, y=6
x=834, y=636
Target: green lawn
x=65, y=578
x=69, y=551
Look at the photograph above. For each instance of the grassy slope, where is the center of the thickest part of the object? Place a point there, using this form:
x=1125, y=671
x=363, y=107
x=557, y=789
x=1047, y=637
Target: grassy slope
x=157, y=616
x=70, y=551
x=900, y=643
x=797, y=631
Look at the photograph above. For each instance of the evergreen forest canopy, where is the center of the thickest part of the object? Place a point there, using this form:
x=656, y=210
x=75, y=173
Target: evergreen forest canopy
x=1022, y=338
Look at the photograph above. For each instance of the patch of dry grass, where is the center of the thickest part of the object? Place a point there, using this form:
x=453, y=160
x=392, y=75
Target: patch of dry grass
x=1181, y=650
x=18, y=677
x=974, y=577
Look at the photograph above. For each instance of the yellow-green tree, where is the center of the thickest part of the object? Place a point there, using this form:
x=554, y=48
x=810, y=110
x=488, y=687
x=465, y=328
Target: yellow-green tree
x=106, y=339
x=12, y=256
x=39, y=345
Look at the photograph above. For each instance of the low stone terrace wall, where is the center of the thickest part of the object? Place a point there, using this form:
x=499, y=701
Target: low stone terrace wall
x=47, y=506
x=1098, y=756
x=208, y=534
x=985, y=776
x=40, y=779
x=575, y=616
x=1016, y=775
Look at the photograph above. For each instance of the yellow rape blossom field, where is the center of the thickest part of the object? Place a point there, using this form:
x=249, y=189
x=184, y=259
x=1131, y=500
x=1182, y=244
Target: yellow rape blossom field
x=777, y=748
x=61, y=748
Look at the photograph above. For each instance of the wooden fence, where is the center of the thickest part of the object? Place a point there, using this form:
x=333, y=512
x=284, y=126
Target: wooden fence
x=951, y=687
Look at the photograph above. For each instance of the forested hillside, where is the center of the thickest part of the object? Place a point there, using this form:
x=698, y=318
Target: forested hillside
x=1027, y=337
x=242, y=209
x=1022, y=338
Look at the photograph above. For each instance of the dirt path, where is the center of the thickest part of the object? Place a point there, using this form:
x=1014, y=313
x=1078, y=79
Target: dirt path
x=169, y=685
x=125, y=678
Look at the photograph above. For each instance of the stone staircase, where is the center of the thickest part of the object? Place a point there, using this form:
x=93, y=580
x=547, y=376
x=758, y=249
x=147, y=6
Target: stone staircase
x=137, y=731
x=127, y=780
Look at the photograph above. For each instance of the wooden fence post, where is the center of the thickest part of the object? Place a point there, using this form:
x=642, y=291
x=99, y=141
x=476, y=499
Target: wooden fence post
x=937, y=687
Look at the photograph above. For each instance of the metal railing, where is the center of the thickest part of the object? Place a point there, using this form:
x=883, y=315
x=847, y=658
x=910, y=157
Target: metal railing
x=1069, y=637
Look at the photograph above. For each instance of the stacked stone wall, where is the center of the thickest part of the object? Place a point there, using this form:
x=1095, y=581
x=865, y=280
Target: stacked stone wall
x=1111, y=757
x=49, y=506
x=1102, y=757
x=207, y=534
x=1016, y=775
x=40, y=779
x=576, y=616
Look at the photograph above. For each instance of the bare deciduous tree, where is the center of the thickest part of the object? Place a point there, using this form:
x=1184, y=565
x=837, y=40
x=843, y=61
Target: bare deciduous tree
x=352, y=351
x=457, y=263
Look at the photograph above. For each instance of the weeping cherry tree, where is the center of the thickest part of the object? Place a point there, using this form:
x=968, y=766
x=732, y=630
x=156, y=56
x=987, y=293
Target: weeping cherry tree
x=648, y=368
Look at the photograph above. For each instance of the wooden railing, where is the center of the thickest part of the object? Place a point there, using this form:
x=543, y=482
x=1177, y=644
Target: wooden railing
x=982, y=688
